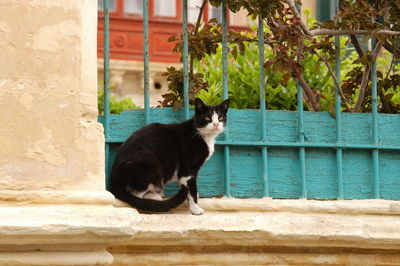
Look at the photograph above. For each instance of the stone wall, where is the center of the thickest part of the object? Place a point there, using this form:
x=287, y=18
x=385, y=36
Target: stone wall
x=53, y=206
x=48, y=84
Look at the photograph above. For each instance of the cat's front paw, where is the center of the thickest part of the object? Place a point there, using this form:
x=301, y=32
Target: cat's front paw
x=196, y=210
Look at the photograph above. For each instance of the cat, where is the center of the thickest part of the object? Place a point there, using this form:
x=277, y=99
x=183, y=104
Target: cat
x=158, y=154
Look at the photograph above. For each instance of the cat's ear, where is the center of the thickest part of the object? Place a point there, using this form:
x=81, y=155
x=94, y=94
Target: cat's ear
x=199, y=105
x=225, y=105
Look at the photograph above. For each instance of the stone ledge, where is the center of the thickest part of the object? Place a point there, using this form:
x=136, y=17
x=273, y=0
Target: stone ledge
x=309, y=230
x=252, y=258
x=65, y=225
x=54, y=258
x=350, y=207
x=64, y=234
x=368, y=206
x=29, y=197
x=266, y=231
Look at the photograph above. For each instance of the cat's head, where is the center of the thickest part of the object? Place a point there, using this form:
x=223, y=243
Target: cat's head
x=210, y=119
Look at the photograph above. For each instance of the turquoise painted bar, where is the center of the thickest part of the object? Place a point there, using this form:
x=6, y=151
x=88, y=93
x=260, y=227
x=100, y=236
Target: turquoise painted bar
x=261, y=59
x=374, y=99
x=338, y=104
x=106, y=86
x=146, y=62
x=227, y=152
x=283, y=163
x=185, y=58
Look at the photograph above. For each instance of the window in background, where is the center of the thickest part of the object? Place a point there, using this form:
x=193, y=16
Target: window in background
x=112, y=5
x=215, y=12
x=324, y=9
x=133, y=7
x=194, y=9
x=239, y=19
x=165, y=8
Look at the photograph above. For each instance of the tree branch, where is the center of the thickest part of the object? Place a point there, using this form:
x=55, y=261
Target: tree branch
x=387, y=107
x=356, y=45
x=196, y=30
x=365, y=77
x=353, y=32
x=388, y=46
x=201, y=11
x=308, y=94
x=345, y=102
x=296, y=13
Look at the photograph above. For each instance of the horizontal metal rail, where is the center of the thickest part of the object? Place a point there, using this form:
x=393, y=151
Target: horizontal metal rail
x=258, y=143
x=301, y=144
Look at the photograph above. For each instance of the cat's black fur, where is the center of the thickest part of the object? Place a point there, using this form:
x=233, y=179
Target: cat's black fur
x=159, y=152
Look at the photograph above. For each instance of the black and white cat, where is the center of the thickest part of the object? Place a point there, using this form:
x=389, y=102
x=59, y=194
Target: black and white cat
x=161, y=153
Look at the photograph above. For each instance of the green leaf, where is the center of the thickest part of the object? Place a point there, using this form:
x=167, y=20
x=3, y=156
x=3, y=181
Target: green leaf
x=172, y=38
x=176, y=105
x=213, y=21
x=234, y=52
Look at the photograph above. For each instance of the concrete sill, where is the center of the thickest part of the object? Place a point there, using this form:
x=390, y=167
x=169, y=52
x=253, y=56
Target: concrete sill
x=360, y=224
x=267, y=232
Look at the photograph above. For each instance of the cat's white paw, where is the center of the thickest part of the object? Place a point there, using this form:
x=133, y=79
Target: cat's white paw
x=153, y=196
x=196, y=210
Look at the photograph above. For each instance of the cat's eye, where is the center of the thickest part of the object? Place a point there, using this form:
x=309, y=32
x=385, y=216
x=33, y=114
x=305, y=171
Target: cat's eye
x=220, y=118
x=207, y=118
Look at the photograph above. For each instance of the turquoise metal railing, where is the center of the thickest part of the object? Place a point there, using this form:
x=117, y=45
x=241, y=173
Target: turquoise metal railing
x=106, y=101
x=268, y=146
x=302, y=151
x=185, y=58
x=338, y=114
x=146, y=61
x=225, y=88
x=374, y=99
x=264, y=151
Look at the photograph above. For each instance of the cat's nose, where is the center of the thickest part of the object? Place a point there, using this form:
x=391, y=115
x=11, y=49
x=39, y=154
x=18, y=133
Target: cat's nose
x=215, y=124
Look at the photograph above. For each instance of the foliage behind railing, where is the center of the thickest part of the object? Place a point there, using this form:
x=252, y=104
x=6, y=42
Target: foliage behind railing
x=292, y=42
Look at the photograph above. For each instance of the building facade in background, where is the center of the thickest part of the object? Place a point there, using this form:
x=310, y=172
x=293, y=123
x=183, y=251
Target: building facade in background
x=126, y=41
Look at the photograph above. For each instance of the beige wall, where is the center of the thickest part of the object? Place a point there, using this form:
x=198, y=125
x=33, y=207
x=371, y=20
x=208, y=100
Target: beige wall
x=312, y=5
x=48, y=84
x=126, y=80
x=53, y=206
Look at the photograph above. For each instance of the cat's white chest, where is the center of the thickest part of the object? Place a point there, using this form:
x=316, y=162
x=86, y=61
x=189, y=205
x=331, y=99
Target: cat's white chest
x=210, y=141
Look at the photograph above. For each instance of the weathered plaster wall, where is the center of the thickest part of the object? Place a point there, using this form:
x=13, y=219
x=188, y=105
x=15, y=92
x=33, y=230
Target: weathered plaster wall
x=50, y=138
x=54, y=209
x=312, y=5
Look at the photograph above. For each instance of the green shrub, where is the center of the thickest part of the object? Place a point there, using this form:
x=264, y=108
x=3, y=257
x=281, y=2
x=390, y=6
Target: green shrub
x=281, y=92
x=116, y=106
x=243, y=76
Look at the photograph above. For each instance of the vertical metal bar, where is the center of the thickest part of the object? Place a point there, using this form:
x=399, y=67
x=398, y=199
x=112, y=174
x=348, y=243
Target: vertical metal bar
x=225, y=88
x=302, y=152
x=185, y=58
x=339, y=151
x=146, y=61
x=264, y=151
x=224, y=50
x=106, y=101
x=375, y=152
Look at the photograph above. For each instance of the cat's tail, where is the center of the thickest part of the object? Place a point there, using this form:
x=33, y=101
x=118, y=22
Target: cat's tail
x=151, y=205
